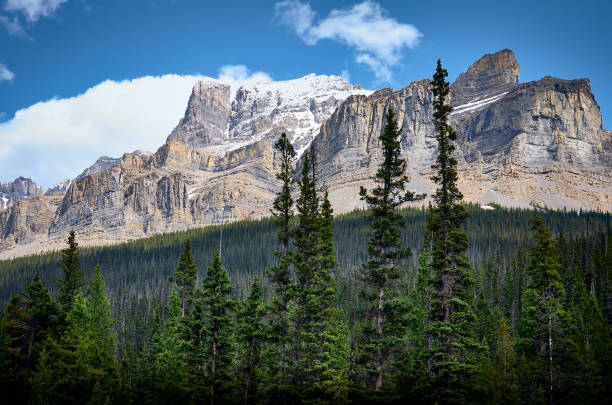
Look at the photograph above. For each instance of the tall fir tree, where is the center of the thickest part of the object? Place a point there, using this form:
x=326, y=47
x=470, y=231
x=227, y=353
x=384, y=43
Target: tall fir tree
x=453, y=348
x=304, y=259
x=103, y=341
x=326, y=353
x=170, y=354
x=185, y=278
x=252, y=334
x=218, y=327
x=73, y=280
x=544, y=319
x=280, y=274
x=385, y=265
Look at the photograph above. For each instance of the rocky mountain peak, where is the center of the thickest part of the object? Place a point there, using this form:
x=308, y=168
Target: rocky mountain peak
x=489, y=76
x=206, y=116
x=222, y=118
x=18, y=189
x=101, y=165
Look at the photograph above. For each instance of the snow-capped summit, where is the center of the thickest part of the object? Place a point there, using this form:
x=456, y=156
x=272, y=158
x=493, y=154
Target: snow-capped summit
x=220, y=117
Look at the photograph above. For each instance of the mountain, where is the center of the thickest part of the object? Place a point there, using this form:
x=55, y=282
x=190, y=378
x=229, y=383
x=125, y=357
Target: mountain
x=18, y=189
x=536, y=143
x=519, y=144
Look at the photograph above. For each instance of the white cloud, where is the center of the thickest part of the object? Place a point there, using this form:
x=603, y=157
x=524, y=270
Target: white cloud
x=5, y=73
x=58, y=138
x=345, y=75
x=366, y=27
x=13, y=26
x=295, y=14
x=33, y=10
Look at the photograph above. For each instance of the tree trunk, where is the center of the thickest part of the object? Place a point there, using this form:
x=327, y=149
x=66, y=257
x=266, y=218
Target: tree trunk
x=379, y=327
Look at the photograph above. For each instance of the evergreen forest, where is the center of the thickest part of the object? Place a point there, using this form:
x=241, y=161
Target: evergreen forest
x=402, y=302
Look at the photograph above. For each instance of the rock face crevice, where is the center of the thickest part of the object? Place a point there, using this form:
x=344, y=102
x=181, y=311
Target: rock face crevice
x=519, y=144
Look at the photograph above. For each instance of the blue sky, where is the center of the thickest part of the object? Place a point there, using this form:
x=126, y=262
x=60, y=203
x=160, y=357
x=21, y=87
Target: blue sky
x=60, y=49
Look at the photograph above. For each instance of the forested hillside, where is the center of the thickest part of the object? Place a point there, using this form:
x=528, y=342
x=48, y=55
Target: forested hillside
x=451, y=303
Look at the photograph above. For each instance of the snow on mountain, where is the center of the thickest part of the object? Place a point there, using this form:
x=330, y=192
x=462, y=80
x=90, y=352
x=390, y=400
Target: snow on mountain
x=220, y=117
x=60, y=187
x=102, y=164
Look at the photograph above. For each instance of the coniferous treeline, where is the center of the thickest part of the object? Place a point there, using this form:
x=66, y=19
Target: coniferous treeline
x=490, y=310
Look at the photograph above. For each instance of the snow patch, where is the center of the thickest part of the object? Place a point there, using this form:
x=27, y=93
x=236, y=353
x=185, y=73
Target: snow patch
x=476, y=104
x=487, y=207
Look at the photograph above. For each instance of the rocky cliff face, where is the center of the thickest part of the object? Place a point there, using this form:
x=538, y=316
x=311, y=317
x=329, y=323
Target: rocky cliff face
x=536, y=143
x=16, y=190
x=488, y=76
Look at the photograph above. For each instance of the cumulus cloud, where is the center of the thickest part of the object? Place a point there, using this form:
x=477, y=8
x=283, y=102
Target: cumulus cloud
x=59, y=138
x=33, y=10
x=367, y=28
x=13, y=26
x=294, y=14
x=5, y=73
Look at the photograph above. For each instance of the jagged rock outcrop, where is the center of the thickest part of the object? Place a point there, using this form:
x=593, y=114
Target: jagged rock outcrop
x=537, y=143
x=60, y=187
x=488, y=76
x=206, y=117
x=16, y=190
x=28, y=220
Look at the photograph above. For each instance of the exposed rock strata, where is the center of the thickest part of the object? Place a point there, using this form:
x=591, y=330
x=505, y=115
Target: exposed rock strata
x=537, y=143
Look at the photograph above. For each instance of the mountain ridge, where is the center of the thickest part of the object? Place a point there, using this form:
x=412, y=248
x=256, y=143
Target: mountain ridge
x=519, y=144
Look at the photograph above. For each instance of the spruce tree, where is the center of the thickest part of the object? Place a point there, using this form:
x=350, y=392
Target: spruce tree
x=170, y=354
x=280, y=275
x=544, y=319
x=304, y=259
x=251, y=335
x=103, y=340
x=185, y=278
x=453, y=348
x=326, y=355
x=385, y=252
x=218, y=328
x=73, y=279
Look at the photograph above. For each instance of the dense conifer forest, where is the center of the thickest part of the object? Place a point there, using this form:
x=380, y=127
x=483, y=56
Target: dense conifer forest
x=446, y=303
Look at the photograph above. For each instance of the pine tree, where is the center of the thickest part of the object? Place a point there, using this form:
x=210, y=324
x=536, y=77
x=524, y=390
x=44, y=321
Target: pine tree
x=67, y=373
x=326, y=356
x=280, y=275
x=506, y=380
x=304, y=259
x=185, y=278
x=218, y=327
x=170, y=354
x=451, y=333
x=543, y=320
x=102, y=340
x=13, y=352
x=386, y=254
x=251, y=335
x=73, y=279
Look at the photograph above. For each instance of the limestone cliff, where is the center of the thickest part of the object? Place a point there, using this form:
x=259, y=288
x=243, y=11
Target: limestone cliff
x=519, y=144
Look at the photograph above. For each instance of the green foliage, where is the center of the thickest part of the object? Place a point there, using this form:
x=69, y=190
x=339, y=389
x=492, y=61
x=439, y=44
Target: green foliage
x=73, y=279
x=170, y=354
x=216, y=322
x=453, y=349
x=380, y=334
x=252, y=334
x=185, y=278
x=280, y=274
